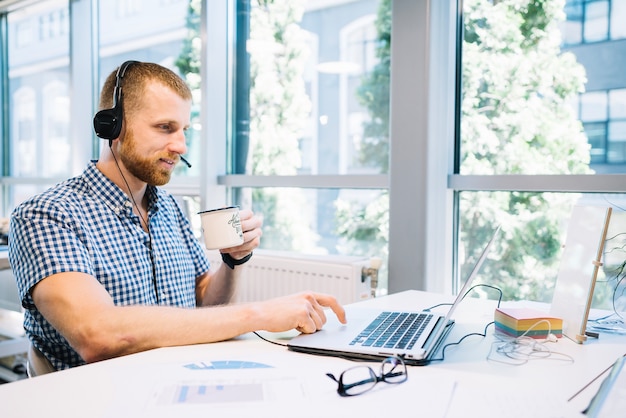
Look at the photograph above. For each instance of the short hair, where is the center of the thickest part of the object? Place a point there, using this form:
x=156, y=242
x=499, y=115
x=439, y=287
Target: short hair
x=134, y=83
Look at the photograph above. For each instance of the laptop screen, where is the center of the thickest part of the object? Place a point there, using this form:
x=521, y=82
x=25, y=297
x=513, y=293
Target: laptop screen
x=474, y=272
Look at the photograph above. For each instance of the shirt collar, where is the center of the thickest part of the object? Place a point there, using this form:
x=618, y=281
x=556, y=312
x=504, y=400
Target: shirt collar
x=111, y=194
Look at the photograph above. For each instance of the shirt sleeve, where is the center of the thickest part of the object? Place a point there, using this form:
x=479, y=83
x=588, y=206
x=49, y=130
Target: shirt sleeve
x=43, y=242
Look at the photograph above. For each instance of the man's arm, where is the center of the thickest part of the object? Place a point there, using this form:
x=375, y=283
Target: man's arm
x=81, y=309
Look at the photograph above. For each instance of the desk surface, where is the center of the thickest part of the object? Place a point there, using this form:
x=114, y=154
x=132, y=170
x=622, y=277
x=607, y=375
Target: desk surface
x=250, y=377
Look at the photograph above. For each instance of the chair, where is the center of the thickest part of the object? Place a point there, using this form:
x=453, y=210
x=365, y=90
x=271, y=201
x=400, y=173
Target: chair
x=38, y=364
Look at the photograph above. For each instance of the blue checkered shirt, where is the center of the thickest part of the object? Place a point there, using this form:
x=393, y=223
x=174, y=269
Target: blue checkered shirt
x=86, y=224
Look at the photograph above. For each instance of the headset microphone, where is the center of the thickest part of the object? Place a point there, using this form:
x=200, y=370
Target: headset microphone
x=108, y=122
x=185, y=161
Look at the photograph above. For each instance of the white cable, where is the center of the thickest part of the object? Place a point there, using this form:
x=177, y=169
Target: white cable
x=517, y=351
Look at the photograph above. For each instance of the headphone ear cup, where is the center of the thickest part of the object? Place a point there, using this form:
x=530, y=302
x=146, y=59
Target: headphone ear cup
x=108, y=123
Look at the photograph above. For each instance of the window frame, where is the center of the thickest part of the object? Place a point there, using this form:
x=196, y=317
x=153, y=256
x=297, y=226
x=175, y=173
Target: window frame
x=417, y=208
x=423, y=179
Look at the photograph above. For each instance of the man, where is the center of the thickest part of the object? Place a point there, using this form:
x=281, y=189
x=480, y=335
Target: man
x=107, y=264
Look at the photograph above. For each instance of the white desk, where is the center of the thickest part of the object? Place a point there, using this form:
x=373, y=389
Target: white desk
x=295, y=384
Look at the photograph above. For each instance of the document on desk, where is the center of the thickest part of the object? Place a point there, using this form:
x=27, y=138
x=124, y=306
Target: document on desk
x=281, y=393
x=223, y=388
x=276, y=386
x=489, y=399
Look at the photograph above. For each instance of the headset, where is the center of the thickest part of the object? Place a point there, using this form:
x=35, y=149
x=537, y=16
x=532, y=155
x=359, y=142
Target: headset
x=108, y=122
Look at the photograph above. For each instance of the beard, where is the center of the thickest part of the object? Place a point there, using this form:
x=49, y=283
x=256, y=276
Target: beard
x=145, y=169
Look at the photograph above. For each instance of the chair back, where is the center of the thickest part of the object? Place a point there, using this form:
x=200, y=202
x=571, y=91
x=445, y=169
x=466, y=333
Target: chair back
x=38, y=364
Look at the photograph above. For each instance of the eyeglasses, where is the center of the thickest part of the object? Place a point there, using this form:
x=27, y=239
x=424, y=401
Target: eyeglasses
x=360, y=379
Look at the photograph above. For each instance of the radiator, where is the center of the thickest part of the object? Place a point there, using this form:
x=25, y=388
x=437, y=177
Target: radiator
x=270, y=274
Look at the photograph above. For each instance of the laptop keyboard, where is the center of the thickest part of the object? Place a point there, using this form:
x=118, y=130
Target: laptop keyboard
x=393, y=330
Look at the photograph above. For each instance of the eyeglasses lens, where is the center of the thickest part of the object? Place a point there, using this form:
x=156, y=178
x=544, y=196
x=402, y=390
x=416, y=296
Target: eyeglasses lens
x=358, y=380
x=393, y=370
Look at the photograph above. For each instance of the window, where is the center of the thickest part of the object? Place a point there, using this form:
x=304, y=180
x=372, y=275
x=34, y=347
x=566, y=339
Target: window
x=521, y=138
x=314, y=101
x=589, y=21
x=155, y=31
x=307, y=93
x=596, y=23
x=293, y=116
x=24, y=128
x=603, y=117
x=56, y=121
x=618, y=14
x=38, y=91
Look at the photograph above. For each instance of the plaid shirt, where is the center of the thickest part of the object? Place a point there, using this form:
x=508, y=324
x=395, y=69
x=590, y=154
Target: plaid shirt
x=86, y=224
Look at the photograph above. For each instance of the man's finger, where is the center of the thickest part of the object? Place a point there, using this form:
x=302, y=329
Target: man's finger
x=331, y=302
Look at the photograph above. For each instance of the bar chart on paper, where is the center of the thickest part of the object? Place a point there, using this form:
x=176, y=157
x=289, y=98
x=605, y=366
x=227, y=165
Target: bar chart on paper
x=218, y=393
x=228, y=381
x=221, y=391
x=226, y=365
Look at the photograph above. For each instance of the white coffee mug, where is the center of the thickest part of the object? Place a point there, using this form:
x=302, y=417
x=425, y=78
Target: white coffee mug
x=221, y=227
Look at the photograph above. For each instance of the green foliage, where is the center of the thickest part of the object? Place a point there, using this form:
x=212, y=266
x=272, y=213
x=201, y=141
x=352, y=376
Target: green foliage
x=188, y=64
x=279, y=106
x=365, y=229
x=284, y=225
x=373, y=94
x=610, y=286
x=279, y=109
x=188, y=61
x=515, y=120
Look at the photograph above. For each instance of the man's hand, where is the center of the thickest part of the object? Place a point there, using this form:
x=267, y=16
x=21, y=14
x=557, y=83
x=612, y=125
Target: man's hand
x=251, y=226
x=301, y=311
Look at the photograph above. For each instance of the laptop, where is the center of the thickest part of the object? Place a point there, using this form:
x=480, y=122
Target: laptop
x=372, y=334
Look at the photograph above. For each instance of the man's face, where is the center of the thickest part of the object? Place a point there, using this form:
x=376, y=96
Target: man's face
x=154, y=135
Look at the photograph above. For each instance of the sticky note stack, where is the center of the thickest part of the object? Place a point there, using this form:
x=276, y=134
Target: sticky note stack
x=516, y=322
